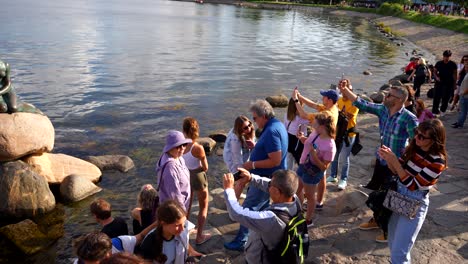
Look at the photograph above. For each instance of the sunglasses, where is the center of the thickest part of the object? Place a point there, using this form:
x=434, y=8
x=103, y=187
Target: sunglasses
x=182, y=146
x=247, y=126
x=420, y=136
x=391, y=95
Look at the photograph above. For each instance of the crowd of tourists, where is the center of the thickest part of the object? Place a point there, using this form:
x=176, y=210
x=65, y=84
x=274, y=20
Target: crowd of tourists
x=284, y=171
x=454, y=10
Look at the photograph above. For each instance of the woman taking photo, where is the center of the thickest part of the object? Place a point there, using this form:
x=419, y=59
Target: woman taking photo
x=294, y=123
x=418, y=170
x=239, y=143
x=319, y=149
x=196, y=162
x=169, y=242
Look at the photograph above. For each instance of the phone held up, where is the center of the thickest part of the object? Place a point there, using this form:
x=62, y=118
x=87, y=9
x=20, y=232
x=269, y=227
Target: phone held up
x=237, y=175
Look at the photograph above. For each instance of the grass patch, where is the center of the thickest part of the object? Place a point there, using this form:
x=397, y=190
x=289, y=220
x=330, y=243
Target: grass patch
x=387, y=9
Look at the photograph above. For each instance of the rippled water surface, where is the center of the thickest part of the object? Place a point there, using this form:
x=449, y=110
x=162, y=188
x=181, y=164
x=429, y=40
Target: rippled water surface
x=114, y=76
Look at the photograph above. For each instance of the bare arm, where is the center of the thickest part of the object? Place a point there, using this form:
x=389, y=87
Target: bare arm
x=300, y=109
x=348, y=93
x=139, y=237
x=412, y=74
x=322, y=164
x=274, y=159
x=308, y=102
x=199, y=153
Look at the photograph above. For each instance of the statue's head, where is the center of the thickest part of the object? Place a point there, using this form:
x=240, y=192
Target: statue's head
x=3, y=69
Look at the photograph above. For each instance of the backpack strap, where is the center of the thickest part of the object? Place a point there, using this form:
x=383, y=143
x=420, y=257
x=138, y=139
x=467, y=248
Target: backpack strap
x=287, y=220
x=162, y=171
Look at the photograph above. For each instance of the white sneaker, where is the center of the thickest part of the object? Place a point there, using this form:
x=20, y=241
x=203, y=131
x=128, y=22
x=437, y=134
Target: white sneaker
x=332, y=179
x=442, y=114
x=342, y=184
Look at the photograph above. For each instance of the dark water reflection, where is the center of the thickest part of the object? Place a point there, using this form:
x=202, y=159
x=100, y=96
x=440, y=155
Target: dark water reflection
x=114, y=76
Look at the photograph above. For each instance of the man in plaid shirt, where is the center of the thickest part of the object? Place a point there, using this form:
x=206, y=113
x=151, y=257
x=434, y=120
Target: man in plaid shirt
x=396, y=125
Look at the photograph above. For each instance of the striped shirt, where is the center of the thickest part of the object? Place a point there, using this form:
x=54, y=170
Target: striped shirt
x=422, y=171
x=394, y=130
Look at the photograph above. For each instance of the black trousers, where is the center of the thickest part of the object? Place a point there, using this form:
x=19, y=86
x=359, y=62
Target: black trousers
x=442, y=93
x=418, y=81
x=381, y=177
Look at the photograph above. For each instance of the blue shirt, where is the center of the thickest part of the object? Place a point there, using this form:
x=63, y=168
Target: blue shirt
x=273, y=138
x=395, y=130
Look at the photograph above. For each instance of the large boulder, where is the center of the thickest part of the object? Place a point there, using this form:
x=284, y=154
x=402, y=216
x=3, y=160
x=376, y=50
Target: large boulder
x=75, y=188
x=23, y=193
x=24, y=133
x=55, y=167
x=26, y=236
x=218, y=137
x=121, y=163
x=207, y=143
x=278, y=100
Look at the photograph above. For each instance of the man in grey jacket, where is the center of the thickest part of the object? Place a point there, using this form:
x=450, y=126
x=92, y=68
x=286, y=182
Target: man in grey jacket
x=282, y=188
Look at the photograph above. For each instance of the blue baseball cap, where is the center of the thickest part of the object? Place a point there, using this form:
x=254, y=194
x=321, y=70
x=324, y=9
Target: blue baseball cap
x=331, y=94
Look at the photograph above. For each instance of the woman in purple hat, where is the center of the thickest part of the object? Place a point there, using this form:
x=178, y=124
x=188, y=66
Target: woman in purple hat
x=172, y=174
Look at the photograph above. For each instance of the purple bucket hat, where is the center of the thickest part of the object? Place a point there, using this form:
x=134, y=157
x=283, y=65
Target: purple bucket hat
x=174, y=139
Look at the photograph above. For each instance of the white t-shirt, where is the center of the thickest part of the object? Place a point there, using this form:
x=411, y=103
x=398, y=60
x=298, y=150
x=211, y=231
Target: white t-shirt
x=128, y=244
x=169, y=249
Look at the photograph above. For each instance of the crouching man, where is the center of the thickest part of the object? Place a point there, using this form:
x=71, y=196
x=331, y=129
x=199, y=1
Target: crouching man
x=267, y=226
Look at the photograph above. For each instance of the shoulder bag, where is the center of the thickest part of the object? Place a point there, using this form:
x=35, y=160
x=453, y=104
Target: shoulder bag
x=310, y=168
x=401, y=204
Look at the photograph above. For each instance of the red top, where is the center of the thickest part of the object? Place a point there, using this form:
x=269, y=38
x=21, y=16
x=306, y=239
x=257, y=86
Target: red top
x=410, y=66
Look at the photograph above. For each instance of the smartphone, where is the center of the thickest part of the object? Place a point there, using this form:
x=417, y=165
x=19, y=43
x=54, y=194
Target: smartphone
x=314, y=145
x=381, y=141
x=237, y=176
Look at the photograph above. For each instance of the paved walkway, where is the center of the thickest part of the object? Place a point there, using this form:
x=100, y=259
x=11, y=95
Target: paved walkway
x=336, y=237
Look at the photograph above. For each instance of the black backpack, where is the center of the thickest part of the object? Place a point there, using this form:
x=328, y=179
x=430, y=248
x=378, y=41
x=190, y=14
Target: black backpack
x=294, y=246
x=341, y=130
x=421, y=71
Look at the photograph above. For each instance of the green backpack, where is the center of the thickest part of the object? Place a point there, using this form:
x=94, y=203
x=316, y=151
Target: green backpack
x=294, y=245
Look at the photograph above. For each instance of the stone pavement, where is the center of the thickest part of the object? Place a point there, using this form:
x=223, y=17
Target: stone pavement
x=336, y=237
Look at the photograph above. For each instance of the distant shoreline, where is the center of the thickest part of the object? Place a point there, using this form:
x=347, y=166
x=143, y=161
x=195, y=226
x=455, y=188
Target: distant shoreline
x=430, y=38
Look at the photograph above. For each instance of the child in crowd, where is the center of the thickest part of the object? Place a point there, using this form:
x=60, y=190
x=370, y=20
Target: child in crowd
x=421, y=112
x=320, y=149
x=92, y=248
x=113, y=227
x=123, y=258
x=169, y=242
x=143, y=214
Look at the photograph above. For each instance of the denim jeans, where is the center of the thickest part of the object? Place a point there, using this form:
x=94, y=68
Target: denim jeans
x=342, y=157
x=255, y=200
x=402, y=231
x=463, y=111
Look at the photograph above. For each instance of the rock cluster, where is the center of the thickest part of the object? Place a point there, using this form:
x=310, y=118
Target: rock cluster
x=27, y=171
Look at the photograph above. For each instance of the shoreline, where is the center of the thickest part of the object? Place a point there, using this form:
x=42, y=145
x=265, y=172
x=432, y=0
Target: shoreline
x=427, y=37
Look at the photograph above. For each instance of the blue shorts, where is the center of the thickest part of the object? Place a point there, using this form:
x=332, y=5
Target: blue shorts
x=307, y=179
